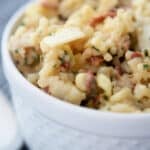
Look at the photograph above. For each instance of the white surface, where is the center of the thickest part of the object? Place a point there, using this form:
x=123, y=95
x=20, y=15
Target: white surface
x=48, y=123
x=9, y=135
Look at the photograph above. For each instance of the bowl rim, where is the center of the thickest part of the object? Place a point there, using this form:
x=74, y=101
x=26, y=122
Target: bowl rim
x=24, y=83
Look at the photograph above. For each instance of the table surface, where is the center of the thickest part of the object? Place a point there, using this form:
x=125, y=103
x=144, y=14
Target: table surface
x=7, y=7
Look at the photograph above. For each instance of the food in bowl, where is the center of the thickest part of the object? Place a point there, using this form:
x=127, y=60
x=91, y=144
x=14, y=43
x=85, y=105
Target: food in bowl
x=92, y=53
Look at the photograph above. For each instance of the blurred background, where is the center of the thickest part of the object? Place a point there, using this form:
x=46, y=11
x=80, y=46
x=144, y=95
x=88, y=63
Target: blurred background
x=7, y=7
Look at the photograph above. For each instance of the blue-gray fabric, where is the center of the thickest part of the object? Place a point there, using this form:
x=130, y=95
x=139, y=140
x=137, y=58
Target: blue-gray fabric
x=7, y=8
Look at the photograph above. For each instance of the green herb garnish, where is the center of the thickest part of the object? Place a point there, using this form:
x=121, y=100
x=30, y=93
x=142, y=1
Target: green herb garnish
x=139, y=101
x=22, y=24
x=65, y=52
x=41, y=58
x=25, y=61
x=105, y=97
x=146, y=66
x=95, y=48
x=17, y=51
x=146, y=52
x=62, y=59
x=55, y=66
x=36, y=59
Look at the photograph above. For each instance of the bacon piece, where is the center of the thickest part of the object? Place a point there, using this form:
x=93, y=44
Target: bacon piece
x=136, y=54
x=118, y=71
x=101, y=18
x=65, y=66
x=97, y=99
x=49, y=5
x=95, y=60
x=46, y=89
x=28, y=49
x=96, y=102
x=90, y=80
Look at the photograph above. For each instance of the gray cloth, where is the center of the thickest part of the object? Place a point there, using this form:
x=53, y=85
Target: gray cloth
x=7, y=8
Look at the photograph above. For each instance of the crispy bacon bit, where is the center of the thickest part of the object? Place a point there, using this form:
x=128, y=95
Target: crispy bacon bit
x=28, y=49
x=96, y=102
x=65, y=66
x=136, y=54
x=101, y=18
x=95, y=60
x=97, y=99
x=118, y=71
x=49, y=5
x=90, y=80
x=46, y=89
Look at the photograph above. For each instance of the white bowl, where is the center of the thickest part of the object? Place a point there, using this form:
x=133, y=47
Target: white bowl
x=49, y=123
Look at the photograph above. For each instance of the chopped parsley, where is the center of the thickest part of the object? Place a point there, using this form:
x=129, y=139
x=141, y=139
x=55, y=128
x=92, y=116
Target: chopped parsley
x=64, y=58
x=74, y=72
x=25, y=61
x=95, y=48
x=65, y=52
x=17, y=51
x=55, y=66
x=105, y=97
x=36, y=58
x=146, y=52
x=22, y=24
x=139, y=101
x=41, y=58
x=146, y=66
x=32, y=62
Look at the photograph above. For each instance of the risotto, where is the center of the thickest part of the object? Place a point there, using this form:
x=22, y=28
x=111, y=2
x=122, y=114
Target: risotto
x=92, y=53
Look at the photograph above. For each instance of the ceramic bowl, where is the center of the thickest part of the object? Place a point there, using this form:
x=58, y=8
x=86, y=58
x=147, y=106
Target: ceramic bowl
x=49, y=123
